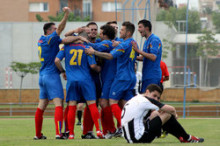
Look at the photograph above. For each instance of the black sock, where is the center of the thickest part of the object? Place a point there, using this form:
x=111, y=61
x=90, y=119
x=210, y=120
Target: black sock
x=173, y=127
x=79, y=115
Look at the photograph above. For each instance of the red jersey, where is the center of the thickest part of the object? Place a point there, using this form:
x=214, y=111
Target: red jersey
x=164, y=70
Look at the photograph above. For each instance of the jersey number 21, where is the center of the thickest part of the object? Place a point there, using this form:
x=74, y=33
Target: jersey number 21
x=77, y=57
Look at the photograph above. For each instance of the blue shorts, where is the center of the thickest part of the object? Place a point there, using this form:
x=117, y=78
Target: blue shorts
x=106, y=86
x=50, y=87
x=76, y=90
x=147, y=82
x=122, y=90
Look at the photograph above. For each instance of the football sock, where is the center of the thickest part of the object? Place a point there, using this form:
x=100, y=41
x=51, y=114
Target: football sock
x=103, y=122
x=79, y=115
x=95, y=115
x=108, y=116
x=173, y=127
x=116, y=110
x=58, y=118
x=87, y=121
x=65, y=119
x=71, y=119
x=38, y=122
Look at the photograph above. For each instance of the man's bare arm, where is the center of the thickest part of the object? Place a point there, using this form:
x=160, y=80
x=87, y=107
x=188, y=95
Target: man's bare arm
x=104, y=55
x=169, y=109
x=71, y=32
x=60, y=67
x=62, y=24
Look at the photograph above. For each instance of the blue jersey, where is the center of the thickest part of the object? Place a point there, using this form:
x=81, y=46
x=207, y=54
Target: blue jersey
x=109, y=68
x=126, y=57
x=118, y=39
x=77, y=63
x=151, y=69
x=48, y=47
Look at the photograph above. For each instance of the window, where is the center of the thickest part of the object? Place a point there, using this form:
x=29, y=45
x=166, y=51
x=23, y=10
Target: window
x=110, y=6
x=87, y=8
x=38, y=7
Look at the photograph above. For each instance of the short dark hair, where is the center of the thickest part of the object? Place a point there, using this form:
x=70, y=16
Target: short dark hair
x=111, y=22
x=146, y=23
x=109, y=31
x=154, y=87
x=47, y=26
x=129, y=26
x=91, y=23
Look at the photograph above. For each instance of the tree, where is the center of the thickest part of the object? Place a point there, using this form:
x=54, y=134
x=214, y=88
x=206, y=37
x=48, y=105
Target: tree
x=39, y=18
x=60, y=16
x=167, y=46
x=216, y=21
x=22, y=69
x=206, y=48
x=172, y=15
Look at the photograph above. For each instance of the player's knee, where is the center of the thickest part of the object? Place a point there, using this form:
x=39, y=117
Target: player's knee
x=103, y=103
x=58, y=102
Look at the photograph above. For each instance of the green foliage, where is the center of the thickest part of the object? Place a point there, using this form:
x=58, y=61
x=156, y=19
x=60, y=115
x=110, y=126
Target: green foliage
x=25, y=68
x=71, y=17
x=39, y=18
x=172, y=15
x=167, y=45
x=207, y=44
x=216, y=21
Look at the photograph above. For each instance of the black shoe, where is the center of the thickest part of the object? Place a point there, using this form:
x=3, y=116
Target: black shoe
x=118, y=132
x=66, y=134
x=38, y=138
x=61, y=137
x=78, y=123
x=89, y=135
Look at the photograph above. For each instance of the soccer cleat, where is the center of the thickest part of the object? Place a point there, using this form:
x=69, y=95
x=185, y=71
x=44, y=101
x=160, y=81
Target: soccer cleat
x=61, y=137
x=41, y=137
x=71, y=137
x=66, y=134
x=118, y=132
x=89, y=135
x=78, y=123
x=109, y=135
x=191, y=139
x=100, y=135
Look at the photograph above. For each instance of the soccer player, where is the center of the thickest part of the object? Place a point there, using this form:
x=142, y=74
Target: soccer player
x=138, y=80
x=107, y=33
x=49, y=80
x=125, y=79
x=115, y=25
x=79, y=82
x=151, y=55
x=142, y=123
x=165, y=73
x=88, y=122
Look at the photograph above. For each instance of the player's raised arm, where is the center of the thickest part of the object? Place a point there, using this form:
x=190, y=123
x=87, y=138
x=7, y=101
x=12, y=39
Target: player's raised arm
x=62, y=24
x=71, y=32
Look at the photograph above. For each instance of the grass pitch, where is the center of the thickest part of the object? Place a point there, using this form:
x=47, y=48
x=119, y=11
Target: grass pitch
x=20, y=131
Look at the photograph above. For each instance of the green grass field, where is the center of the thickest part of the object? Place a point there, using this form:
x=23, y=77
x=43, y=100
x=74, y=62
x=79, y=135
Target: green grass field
x=20, y=131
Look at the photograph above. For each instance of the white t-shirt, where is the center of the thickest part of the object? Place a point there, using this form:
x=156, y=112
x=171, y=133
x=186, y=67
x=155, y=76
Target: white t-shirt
x=138, y=79
x=136, y=109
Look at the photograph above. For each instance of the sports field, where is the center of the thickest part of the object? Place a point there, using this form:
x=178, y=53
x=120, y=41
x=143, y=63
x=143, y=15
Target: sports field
x=20, y=131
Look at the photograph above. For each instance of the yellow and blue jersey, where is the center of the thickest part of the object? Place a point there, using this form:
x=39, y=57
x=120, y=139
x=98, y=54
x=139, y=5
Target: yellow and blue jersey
x=151, y=69
x=77, y=63
x=126, y=57
x=48, y=47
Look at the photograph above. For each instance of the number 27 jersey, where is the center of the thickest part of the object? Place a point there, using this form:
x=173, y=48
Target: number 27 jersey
x=77, y=63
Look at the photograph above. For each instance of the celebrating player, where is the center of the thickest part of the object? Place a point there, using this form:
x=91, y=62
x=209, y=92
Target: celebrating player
x=125, y=79
x=79, y=82
x=49, y=80
x=151, y=55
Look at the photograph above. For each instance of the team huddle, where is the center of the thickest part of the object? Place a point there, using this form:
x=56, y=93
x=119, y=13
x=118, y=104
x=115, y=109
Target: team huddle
x=101, y=72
